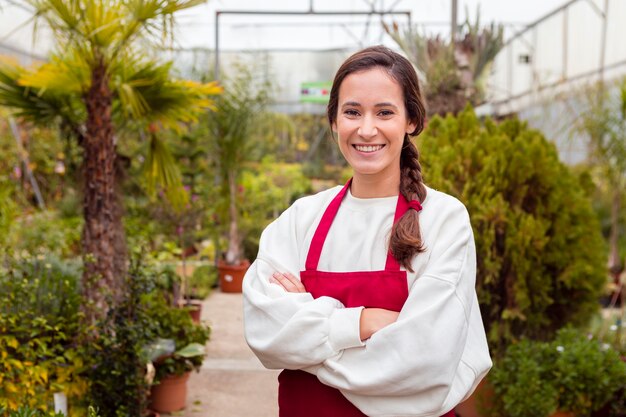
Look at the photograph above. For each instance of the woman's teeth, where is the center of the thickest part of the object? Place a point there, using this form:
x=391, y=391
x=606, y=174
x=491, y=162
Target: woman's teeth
x=368, y=148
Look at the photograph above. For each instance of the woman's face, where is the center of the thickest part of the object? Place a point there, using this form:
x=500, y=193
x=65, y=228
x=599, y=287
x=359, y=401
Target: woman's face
x=371, y=123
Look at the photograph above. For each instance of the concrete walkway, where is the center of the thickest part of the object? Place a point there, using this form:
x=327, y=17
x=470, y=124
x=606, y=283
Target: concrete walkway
x=232, y=381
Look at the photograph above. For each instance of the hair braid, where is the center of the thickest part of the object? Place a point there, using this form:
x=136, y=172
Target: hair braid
x=406, y=239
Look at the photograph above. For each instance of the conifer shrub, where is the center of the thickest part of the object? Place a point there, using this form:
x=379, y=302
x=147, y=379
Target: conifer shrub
x=540, y=254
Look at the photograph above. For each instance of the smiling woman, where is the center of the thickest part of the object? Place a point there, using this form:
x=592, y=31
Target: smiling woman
x=370, y=127
x=364, y=294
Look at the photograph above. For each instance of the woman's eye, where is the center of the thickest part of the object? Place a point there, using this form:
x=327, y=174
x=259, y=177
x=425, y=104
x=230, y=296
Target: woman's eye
x=385, y=113
x=351, y=112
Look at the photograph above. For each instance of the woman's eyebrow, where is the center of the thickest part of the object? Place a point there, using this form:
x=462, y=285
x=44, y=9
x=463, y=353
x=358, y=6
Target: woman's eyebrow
x=356, y=104
x=385, y=104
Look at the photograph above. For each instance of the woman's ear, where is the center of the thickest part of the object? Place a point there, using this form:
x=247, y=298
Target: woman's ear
x=410, y=127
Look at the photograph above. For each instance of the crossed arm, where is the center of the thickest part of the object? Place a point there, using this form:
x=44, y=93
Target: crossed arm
x=372, y=319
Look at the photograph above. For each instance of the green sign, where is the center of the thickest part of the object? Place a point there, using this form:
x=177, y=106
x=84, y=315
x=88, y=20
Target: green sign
x=315, y=92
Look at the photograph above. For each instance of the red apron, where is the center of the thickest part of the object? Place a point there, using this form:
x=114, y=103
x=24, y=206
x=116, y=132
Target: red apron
x=301, y=394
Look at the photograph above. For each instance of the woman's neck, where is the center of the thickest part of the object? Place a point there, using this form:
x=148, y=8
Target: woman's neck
x=375, y=186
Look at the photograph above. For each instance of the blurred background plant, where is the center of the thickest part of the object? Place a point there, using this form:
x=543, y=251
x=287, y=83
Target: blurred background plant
x=539, y=247
x=40, y=327
x=452, y=73
x=572, y=373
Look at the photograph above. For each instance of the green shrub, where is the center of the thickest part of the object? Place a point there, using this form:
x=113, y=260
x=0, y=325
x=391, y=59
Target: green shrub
x=46, y=232
x=119, y=353
x=176, y=325
x=539, y=250
x=40, y=325
x=266, y=191
x=118, y=384
x=572, y=373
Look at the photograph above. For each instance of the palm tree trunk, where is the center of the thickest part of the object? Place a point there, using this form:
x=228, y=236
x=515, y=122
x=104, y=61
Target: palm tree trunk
x=233, y=255
x=101, y=281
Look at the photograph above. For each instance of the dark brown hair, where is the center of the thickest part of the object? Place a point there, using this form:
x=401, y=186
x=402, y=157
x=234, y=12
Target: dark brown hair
x=406, y=240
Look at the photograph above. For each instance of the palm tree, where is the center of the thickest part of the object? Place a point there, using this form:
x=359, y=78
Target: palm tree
x=236, y=126
x=95, y=86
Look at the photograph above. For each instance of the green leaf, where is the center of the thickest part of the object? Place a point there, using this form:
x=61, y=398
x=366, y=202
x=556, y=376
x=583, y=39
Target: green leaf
x=191, y=350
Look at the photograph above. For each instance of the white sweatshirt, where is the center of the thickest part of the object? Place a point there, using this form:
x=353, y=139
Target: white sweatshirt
x=426, y=362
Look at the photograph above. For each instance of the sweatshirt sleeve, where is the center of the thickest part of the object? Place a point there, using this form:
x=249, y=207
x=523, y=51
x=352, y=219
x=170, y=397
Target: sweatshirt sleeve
x=412, y=363
x=292, y=330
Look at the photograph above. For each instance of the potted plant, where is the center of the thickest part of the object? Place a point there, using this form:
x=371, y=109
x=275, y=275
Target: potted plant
x=178, y=350
x=171, y=370
x=572, y=374
x=233, y=129
x=198, y=285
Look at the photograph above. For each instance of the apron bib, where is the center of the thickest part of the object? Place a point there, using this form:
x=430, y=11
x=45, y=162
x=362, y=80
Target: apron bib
x=301, y=394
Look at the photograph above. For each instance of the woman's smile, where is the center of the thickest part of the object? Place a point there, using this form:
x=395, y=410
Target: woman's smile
x=368, y=149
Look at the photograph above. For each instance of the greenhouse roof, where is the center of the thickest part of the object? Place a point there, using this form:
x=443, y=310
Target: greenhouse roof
x=275, y=30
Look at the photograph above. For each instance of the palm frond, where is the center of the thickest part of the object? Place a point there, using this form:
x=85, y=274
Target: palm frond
x=146, y=91
x=162, y=173
x=69, y=74
x=38, y=107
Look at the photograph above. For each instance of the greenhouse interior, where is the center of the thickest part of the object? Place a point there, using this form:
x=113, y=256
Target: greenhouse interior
x=171, y=170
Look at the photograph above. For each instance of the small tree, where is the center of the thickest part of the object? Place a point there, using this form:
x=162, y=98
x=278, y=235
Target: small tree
x=234, y=129
x=539, y=248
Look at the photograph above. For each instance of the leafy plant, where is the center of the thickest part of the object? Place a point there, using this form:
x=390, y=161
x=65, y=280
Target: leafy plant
x=268, y=189
x=186, y=339
x=202, y=281
x=571, y=373
x=539, y=249
x=119, y=387
x=29, y=412
x=39, y=330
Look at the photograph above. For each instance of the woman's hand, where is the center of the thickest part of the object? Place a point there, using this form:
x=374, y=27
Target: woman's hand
x=374, y=319
x=287, y=281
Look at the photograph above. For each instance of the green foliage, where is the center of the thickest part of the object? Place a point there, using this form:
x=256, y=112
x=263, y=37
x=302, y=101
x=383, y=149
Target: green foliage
x=46, y=232
x=26, y=411
x=40, y=325
x=202, y=281
x=520, y=384
x=266, y=191
x=29, y=412
x=8, y=211
x=233, y=129
x=119, y=354
x=572, y=373
x=175, y=324
x=539, y=251
x=119, y=387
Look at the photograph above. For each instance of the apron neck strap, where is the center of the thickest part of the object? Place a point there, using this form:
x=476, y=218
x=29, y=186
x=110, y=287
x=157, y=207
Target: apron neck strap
x=317, y=243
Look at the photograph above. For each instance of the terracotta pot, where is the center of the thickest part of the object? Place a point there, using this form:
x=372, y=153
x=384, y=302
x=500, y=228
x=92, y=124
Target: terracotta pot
x=194, y=307
x=170, y=394
x=478, y=403
x=231, y=276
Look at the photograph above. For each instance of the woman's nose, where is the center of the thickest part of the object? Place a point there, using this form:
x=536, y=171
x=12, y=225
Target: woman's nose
x=367, y=128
